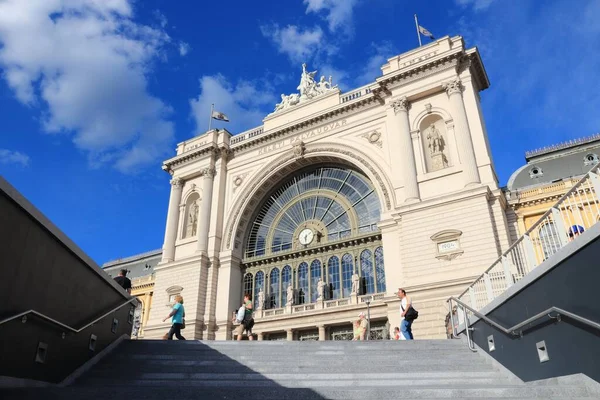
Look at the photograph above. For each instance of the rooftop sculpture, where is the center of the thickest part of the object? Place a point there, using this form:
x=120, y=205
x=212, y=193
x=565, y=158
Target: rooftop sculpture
x=308, y=88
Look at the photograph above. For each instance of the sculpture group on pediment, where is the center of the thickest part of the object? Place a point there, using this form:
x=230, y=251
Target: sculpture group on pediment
x=308, y=88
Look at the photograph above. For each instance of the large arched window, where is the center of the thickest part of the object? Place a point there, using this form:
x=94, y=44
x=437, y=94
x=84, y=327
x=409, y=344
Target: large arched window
x=286, y=280
x=347, y=271
x=366, y=266
x=334, y=203
x=273, y=300
x=302, y=283
x=248, y=284
x=333, y=276
x=379, y=270
x=315, y=276
x=259, y=283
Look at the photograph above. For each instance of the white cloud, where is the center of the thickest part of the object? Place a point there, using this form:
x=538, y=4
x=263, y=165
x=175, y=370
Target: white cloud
x=245, y=103
x=299, y=45
x=478, y=5
x=184, y=48
x=84, y=64
x=13, y=157
x=339, y=12
x=380, y=52
x=162, y=19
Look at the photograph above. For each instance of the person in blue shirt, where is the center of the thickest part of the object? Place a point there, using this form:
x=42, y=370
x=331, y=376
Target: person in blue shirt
x=176, y=315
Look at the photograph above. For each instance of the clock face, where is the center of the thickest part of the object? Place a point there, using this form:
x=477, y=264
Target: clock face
x=306, y=236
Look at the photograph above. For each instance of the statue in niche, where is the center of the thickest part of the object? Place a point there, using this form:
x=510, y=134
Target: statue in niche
x=355, y=280
x=192, y=225
x=435, y=139
x=320, y=287
x=290, y=296
x=436, y=145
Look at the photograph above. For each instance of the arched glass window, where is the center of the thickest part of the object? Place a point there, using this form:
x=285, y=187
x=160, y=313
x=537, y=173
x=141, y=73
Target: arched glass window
x=248, y=285
x=315, y=276
x=302, y=282
x=380, y=270
x=320, y=195
x=259, y=283
x=286, y=280
x=274, y=292
x=333, y=276
x=549, y=239
x=366, y=266
x=347, y=271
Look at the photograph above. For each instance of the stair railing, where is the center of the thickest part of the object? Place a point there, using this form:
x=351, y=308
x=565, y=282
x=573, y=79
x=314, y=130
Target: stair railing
x=24, y=314
x=516, y=330
x=576, y=211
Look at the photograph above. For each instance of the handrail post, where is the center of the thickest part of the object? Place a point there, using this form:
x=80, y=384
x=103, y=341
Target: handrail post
x=559, y=225
x=488, y=287
x=507, y=272
x=530, y=257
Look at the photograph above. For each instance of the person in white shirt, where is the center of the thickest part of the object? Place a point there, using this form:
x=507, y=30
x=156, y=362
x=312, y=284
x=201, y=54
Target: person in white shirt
x=405, y=325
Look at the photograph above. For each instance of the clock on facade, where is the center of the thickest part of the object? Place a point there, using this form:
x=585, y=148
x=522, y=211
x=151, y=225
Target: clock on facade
x=306, y=236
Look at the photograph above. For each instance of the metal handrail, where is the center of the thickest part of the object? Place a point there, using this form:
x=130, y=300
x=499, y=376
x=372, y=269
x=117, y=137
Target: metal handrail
x=539, y=221
x=514, y=330
x=67, y=327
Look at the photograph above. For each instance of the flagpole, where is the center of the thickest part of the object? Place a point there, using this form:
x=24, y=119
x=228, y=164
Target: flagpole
x=212, y=107
x=418, y=33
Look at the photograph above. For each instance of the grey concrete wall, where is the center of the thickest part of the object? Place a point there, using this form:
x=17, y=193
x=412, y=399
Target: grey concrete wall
x=43, y=270
x=573, y=285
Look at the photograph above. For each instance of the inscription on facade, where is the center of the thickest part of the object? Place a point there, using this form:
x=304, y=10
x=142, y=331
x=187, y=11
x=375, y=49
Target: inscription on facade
x=302, y=136
x=446, y=247
x=193, y=146
x=416, y=60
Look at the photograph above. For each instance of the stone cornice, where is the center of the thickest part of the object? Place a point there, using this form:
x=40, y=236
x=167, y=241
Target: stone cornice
x=297, y=127
x=209, y=150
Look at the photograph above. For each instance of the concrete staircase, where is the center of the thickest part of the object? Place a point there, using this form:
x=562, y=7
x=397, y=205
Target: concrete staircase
x=299, y=370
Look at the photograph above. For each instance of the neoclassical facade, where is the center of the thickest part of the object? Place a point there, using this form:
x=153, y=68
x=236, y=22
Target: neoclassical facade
x=335, y=202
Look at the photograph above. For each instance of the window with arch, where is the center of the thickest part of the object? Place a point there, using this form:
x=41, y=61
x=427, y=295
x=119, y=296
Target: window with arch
x=302, y=282
x=366, y=266
x=347, y=271
x=248, y=280
x=336, y=202
x=192, y=211
x=286, y=280
x=259, y=283
x=380, y=270
x=273, y=300
x=315, y=276
x=333, y=276
x=549, y=239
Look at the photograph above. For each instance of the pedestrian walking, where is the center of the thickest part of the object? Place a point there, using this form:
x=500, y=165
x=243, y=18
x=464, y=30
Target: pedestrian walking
x=177, y=316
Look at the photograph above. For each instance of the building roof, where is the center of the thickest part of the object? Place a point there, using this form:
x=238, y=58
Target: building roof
x=138, y=265
x=557, y=162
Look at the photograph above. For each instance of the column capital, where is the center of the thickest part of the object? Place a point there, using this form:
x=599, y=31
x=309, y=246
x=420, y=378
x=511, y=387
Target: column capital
x=177, y=183
x=453, y=86
x=400, y=104
x=208, y=172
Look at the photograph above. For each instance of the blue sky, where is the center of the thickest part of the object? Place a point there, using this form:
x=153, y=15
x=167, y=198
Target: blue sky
x=94, y=94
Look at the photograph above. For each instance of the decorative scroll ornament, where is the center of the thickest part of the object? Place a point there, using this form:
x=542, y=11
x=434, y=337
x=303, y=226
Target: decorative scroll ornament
x=308, y=88
x=454, y=86
x=373, y=138
x=400, y=104
x=177, y=183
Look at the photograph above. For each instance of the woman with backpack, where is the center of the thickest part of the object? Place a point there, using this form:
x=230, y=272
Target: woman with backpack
x=177, y=314
x=247, y=322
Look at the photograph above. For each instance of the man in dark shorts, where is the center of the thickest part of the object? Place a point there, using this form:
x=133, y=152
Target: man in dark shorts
x=124, y=281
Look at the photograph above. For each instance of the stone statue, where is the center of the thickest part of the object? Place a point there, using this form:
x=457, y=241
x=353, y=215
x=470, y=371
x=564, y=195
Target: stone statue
x=192, y=226
x=355, y=280
x=435, y=139
x=320, y=287
x=308, y=89
x=261, y=299
x=290, y=296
